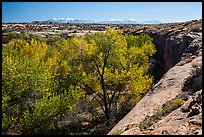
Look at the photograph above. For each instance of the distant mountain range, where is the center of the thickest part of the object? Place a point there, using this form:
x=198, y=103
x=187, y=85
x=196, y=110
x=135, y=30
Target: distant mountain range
x=111, y=21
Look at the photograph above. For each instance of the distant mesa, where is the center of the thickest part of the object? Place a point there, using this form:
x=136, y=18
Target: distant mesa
x=111, y=21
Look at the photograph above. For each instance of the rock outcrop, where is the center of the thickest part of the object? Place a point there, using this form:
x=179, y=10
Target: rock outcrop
x=183, y=121
x=180, y=52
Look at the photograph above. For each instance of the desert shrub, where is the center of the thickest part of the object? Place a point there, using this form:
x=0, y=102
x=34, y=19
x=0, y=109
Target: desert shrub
x=146, y=123
x=118, y=132
x=158, y=115
x=177, y=103
x=21, y=36
x=196, y=28
x=172, y=105
x=183, y=96
x=10, y=36
x=166, y=109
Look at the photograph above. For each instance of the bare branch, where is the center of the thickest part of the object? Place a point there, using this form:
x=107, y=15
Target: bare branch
x=97, y=93
x=101, y=105
x=111, y=100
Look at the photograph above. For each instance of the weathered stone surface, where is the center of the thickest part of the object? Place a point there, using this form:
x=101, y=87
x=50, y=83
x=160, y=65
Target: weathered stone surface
x=179, y=53
x=166, y=89
x=179, y=123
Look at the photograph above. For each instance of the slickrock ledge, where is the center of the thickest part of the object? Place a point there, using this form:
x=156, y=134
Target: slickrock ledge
x=168, y=87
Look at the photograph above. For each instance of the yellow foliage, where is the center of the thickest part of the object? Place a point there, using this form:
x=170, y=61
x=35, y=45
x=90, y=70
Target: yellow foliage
x=52, y=62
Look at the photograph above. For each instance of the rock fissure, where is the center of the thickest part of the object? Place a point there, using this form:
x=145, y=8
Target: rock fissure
x=178, y=53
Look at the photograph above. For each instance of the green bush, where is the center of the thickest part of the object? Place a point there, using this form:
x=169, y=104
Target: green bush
x=158, y=115
x=172, y=105
x=183, y=96
x=178, y=102
x=166, y=109
x=13, y=35
x=146, y=123
x=44, y=113
x=118, y=132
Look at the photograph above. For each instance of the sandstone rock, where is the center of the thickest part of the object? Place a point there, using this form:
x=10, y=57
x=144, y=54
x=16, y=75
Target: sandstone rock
x=196, y=121
x=84, y=123
x=195, y=110
x=133, y=131
x=185, y=47
x=198, y=132
x=185, y=109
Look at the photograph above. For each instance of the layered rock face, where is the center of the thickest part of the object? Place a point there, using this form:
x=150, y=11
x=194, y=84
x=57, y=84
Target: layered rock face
x=170, y=48
x=178, y=53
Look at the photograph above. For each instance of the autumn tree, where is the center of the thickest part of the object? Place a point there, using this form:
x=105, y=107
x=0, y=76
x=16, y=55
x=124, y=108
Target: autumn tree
x=114, y=67
x=42, y=79
x=31, y=96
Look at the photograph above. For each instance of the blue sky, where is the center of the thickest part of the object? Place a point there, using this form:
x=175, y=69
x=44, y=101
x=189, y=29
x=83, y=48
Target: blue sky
x=100, y=11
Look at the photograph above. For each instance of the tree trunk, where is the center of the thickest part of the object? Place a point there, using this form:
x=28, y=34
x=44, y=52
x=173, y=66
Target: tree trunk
x=107, y=111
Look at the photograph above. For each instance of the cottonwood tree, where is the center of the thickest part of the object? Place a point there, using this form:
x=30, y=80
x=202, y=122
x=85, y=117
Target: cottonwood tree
x=30, y=92
x=114, y=67
x=40, y=82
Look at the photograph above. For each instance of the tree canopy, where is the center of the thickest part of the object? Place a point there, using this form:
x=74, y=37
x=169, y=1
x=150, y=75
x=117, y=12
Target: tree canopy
x=43, y=78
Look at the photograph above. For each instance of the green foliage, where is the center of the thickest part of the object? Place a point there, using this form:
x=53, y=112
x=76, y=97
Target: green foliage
x=178, y=102
x=183, y=96
x=45, y=112
x=114, y=62
x=23, y=77
x=167, y=108
x=146, y=123
x=21, y=36
x=172, y=105
x=118, y=132
x=43, y=79
x=27, y=84
x=9, y=37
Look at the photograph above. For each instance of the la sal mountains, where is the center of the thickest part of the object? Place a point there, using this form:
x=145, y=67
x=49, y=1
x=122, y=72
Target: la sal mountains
x=111, y=21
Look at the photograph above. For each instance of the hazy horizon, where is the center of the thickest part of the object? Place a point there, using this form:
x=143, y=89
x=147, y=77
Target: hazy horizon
x=167, y=12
